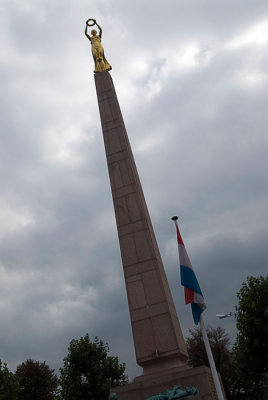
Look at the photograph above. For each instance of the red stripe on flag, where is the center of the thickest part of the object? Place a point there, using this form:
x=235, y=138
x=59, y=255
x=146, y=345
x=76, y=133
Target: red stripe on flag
x=180, y=241
x=189, y=295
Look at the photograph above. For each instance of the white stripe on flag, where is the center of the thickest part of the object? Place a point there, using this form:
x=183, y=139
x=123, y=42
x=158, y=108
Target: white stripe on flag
x=184, y=259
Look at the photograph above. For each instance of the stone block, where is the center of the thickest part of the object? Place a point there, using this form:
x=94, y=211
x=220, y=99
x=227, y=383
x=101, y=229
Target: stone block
x=136, y=293
x=143, y=245
x=121, y=211
x=154, y=291
x=144, y=387
x=164, y=333
x=128, y=250
x=144, y=340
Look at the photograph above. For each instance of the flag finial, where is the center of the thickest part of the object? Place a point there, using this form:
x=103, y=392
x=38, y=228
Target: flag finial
x=174, y=218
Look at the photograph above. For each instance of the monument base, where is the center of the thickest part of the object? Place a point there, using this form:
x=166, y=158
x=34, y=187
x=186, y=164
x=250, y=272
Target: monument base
x=145, y=386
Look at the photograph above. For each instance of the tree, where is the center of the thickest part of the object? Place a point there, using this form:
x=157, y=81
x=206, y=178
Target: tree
x=36, y=381
x=88, y=372
x=8, y=384
x=220, y=346
x=251, y=347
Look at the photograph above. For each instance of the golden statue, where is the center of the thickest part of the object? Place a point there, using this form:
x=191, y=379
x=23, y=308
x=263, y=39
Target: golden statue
x=101, y=64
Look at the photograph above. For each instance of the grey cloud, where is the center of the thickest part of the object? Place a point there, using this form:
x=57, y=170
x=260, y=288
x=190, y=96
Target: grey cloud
x=200, y=145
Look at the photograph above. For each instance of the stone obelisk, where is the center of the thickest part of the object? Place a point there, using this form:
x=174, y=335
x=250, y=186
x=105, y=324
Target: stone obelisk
x=156, y=330
x=159, y=344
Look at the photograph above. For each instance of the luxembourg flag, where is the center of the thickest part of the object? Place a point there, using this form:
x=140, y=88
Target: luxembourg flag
x=192, y=289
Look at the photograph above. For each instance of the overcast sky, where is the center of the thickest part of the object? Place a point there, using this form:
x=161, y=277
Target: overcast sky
x=191, y=78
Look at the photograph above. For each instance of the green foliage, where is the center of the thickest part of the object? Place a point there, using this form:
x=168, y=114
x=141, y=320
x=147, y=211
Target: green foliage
x=88, y=372
x=36, y=381
x=244, y=368
x=251, y=347
x=220, y=346
x=8, y=384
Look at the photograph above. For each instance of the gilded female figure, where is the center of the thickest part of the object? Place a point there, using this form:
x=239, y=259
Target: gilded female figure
x=101, y=64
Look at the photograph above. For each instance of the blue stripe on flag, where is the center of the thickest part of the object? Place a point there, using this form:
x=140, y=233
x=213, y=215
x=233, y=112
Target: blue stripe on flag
x=196, y=311
x=189, y=280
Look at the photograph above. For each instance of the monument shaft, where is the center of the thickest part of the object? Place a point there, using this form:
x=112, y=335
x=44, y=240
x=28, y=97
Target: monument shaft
x=156, y=330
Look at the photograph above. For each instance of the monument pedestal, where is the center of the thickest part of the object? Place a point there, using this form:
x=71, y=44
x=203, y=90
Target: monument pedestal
x=144, y=387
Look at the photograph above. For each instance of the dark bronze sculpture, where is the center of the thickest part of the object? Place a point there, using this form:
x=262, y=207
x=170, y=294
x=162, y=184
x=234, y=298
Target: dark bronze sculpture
x=171, y=394
x=175, y=393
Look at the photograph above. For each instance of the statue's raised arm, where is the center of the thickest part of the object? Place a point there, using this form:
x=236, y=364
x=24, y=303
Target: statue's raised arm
x=101, y=64
x=100, y=30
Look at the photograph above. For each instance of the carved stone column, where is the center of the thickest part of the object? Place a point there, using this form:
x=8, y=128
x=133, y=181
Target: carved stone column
x=156, y=330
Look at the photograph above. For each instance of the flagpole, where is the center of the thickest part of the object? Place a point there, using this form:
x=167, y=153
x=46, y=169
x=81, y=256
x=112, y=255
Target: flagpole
x=206, y=341
x=215, y=375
